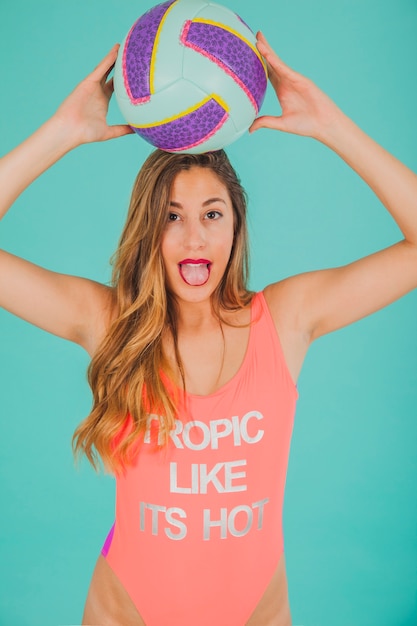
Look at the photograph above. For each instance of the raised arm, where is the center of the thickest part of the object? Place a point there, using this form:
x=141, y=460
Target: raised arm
x=329, y=299
x=71, y=307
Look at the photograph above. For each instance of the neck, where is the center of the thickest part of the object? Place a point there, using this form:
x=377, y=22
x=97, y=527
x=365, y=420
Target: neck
x=196, y=316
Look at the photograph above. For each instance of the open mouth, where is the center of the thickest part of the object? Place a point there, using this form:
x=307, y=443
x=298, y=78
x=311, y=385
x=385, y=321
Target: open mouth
x=195, y=272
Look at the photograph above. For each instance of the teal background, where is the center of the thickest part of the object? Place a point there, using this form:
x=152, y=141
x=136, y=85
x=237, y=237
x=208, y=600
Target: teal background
x=351, y=506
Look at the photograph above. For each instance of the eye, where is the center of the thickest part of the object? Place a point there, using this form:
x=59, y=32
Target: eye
x=213, y=215
x=173, y=217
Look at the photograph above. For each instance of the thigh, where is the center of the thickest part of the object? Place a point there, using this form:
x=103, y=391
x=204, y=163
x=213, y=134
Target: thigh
x=108, y=603
x=273, y=609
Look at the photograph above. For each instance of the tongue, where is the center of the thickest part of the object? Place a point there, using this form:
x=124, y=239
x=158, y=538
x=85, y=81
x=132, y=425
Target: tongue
x=194, y=274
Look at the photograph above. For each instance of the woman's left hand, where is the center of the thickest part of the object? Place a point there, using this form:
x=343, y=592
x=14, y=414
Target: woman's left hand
x=306, y=110
x=83, y=113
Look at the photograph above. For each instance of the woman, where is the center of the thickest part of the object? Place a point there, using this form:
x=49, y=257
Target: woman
x=194, y=376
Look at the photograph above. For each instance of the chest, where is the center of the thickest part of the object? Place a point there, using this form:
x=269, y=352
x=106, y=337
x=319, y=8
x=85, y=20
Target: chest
x=211, y=360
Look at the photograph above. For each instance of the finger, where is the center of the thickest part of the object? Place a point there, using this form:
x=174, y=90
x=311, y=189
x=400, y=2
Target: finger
x=267, y=121
x=111, y=68
x=119, y=130
x=103, y=69
x=270, y=55
x=273, y=76
x=109, y=88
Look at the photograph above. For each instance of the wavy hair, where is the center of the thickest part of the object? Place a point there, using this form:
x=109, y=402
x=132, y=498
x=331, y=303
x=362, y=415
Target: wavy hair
x=125, y=372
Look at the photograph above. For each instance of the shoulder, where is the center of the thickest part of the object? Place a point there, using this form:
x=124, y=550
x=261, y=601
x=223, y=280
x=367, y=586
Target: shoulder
x=287, y=300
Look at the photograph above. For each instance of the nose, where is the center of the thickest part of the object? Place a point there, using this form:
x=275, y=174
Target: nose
x=194, y=235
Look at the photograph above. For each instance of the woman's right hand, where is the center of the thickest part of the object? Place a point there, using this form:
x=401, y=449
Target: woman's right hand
x=83, y=113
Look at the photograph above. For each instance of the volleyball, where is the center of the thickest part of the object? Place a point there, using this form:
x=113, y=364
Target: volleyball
x=188, y=76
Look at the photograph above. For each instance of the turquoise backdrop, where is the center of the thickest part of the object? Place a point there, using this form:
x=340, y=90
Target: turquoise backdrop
x=351, y=507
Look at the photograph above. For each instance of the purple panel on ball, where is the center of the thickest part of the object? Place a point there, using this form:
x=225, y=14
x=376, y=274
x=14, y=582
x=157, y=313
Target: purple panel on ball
x=187, y=131
x=137, y=54
x=232, y=54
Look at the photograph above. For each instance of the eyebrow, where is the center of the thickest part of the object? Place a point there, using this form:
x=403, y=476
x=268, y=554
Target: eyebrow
x=206, y=203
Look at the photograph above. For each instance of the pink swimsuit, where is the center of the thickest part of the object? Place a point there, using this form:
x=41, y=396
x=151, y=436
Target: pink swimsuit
x=198, y=530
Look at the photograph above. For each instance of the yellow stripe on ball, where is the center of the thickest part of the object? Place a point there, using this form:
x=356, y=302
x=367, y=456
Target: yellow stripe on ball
x=154, y=49
x=191, y=109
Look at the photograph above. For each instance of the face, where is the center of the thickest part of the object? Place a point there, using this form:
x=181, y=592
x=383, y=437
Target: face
x=198, y=237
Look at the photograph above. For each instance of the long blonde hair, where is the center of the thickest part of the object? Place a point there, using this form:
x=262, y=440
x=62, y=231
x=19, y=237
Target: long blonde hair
x=125, y=372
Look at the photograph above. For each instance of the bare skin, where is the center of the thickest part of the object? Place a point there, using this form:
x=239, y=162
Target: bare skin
x=304, y=307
